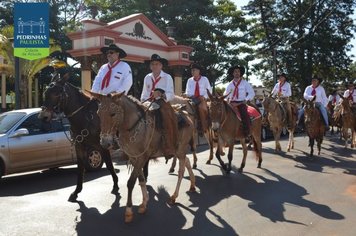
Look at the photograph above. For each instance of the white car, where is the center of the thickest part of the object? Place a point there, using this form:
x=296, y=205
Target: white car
x=28, y=143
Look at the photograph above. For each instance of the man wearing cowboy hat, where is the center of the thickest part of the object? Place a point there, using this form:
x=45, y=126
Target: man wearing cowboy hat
x=116, y=75
x=158, y=88
x=283, y=91
x=238, y=92
x=321, y=101
x=196, y=90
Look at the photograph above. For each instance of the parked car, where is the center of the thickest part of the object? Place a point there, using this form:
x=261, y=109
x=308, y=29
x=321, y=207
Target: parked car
x=28, y=144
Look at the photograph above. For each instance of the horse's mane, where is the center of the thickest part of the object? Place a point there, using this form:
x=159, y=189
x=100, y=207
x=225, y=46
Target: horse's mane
x=137, y=103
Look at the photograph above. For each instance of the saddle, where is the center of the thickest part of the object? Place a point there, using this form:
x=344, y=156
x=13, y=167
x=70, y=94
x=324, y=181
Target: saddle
x=253, y=113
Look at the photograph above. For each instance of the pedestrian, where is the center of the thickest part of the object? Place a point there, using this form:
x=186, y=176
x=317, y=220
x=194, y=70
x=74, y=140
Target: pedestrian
x=238, y=92
x=114, y=76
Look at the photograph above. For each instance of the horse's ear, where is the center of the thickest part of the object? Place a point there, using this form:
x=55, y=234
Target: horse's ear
x=91, y=94
x=314, y=97
x=116, y=96
x=341, y=96
x=223, y=97
x=209, y=94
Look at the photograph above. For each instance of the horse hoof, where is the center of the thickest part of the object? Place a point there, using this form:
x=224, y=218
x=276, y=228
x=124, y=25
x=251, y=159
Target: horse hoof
x=194, y=166
x=171, y=200
x=171, y=170
x=192, y=189
x=72, y=198
x=208, y=162
x=142, y=209
x=128, y=216
x=259, y=166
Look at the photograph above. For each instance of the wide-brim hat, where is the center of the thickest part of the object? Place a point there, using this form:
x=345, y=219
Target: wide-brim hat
x=350, y=83
x=282, y=74
x=231, y=70
x=156, y=57
x=114, y=47
x=318, y=78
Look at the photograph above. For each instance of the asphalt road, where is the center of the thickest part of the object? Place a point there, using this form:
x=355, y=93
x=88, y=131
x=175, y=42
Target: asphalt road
x=290, y=195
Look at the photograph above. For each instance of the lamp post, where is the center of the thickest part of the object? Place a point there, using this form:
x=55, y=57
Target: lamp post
x=17, y=83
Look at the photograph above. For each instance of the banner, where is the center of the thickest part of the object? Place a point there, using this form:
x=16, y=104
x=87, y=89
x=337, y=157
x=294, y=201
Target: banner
x=31, y=31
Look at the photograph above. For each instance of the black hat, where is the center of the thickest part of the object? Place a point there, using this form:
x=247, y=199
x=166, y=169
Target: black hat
x=196, y=66
x=114, y=47
x=156, y=57
x=350, y=83
x=282, y=74
x=318, y=78
x=231, y=70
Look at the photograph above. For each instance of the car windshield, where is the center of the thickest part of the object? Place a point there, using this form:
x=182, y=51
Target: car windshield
x=8, y=120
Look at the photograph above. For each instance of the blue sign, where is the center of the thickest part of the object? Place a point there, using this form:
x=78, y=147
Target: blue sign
x=31, y=31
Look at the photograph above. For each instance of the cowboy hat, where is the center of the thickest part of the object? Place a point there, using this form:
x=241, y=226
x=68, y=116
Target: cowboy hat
x=115, y=48
x=350, y=83
x=281, y=73
x=318, y=78
x=231, y=70
x=156, y=57
x=196, y=66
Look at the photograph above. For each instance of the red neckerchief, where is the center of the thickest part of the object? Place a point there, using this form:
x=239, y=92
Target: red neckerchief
x=334, y=99
x=197, y=91
x=280, y=86
x=314, y=91
x=350, y=97
x=106, y=80
x=154, y=82
x=236, y=91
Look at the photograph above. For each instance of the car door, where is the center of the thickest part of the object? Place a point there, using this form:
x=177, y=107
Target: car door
x=35, y=150
x=64, y=149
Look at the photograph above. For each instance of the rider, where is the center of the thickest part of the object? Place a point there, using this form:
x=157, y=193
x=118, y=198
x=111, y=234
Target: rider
x=196, y=90
x=238, y=92
x=321, y=101
x=114, y=76
x=158, y=88
x=283, y=91
x=350, y=94
x=334, y=98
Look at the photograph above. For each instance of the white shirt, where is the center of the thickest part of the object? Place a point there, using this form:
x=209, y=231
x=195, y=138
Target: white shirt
x=245, y=91
x=331, y=99
x=347, y=94
x=285, y=90
x=120, y=79
x=204, y=84
x=319, y=93
x=165, y=83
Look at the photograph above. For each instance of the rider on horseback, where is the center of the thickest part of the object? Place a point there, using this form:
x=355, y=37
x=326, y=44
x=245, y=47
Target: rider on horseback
x=283, y=91
x=350, y=94
x=196, y=90
x=238, y=92
x=321, y=101
x=158, y=88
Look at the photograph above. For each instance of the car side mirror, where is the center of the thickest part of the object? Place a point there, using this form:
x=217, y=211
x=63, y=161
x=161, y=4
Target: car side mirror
x=19, y=133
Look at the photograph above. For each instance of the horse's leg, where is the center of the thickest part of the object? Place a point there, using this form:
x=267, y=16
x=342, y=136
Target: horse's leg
x=217, y=155
x=311, y=143
x=277, y=135
x=181, y=169
x=345, y=134
x=319, y=141
x=142, y=181
x=174, y=162
x=257, y=146
x=229, y=157
x=208, y=135
x=191, y=174
x=130, y=185
x=110, y=167
x=193, y=149
x=80, y=177
x=244, y=151
x=145, y=170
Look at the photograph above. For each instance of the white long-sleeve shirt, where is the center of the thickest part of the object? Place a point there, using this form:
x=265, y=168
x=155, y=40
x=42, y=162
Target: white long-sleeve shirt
x=120, y=79
x=204, y=84
x=286, y=90
x=331, y=99
x=347, y=94
x=319, y=93
x=245, y=91
x=165, y=83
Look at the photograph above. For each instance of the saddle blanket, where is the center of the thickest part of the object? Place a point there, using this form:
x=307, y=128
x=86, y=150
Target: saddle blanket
x=252, y=113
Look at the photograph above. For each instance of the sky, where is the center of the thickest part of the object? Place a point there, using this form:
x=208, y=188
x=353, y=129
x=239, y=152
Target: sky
x=254, y=80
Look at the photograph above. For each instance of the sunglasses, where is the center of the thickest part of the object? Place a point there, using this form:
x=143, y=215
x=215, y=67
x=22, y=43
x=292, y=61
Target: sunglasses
x=110, y=52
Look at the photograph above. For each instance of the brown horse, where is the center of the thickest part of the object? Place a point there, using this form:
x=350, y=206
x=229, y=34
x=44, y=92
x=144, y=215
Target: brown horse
x=314, y=125
x=228, y=127
x=135, y=128
x=277, y=118
x=208, y=134
x=348, y=118
x=334, y=117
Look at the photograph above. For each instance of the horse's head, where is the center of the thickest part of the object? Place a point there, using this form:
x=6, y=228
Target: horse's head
x=111, y=116
x=345, y=105
x=217, y=110
x=267, y=102
x=309, y=110
x=53, y=96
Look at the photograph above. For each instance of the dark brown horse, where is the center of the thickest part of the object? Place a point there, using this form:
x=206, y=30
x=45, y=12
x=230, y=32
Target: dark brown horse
x=126, y=121
x=314, y=125
x=61, y=96
x=228, y=127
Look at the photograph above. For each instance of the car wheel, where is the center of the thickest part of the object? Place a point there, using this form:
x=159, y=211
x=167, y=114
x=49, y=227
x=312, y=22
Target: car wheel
x=94, y=160
x=263, y=133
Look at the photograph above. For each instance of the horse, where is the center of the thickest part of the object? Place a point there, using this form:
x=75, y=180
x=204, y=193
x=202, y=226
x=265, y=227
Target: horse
x=228, y=127
x=61, y=96
x=125, y=120
x=334, y=117
x=277, y=118
x=348, y=118
x=208, y=133
x=314, y=125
